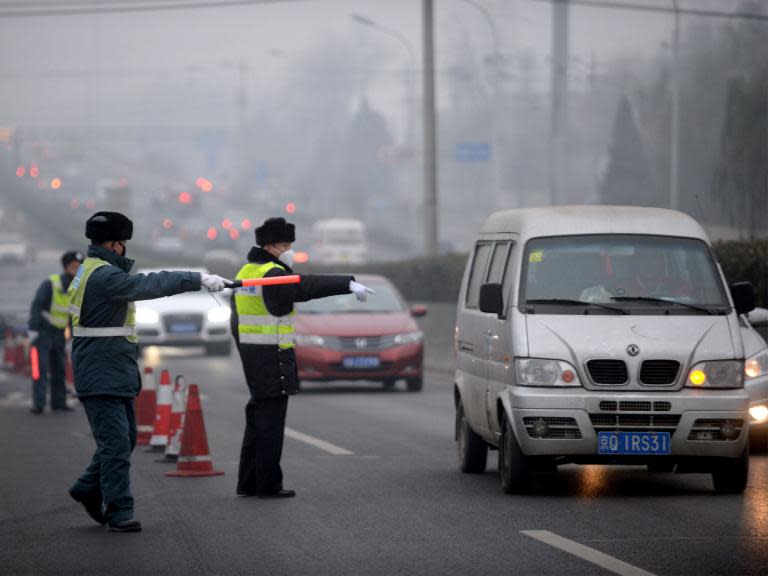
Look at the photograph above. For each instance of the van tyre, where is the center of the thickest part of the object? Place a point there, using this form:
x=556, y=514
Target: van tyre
x=472, y=449
x=730, y=475
x=515, y=469
x=415, y=384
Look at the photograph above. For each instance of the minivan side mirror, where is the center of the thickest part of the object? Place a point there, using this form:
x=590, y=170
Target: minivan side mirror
x=492, y=299
x=743, y=294
x=418, y=310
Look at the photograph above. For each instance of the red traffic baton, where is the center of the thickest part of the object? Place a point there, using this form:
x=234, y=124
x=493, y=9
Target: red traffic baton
x=34, y=361
x=271, y=281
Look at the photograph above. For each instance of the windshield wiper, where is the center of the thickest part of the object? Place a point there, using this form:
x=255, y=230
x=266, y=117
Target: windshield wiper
x=661, y=301
x=569, y=302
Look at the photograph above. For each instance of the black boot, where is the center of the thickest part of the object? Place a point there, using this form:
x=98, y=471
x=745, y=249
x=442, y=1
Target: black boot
x=125, y=526
x=92, y=505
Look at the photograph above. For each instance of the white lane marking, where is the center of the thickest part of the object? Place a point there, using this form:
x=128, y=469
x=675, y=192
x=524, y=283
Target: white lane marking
x=317, y=443
x=586, y=553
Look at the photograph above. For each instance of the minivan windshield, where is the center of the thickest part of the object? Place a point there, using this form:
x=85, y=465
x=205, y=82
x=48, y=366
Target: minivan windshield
x=624, y=271
x=384, y=300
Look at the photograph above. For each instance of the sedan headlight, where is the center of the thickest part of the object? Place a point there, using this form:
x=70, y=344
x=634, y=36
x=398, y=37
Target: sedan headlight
x=147, y=316
x=408, y=338
x=717, y=374
x=759, y=413
x=541, y=372
x=756, y=366
x=219, y=314
x=309, y=340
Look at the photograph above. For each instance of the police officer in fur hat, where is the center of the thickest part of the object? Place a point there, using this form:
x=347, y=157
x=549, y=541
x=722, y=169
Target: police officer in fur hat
x=262, y=326
x=105, y=359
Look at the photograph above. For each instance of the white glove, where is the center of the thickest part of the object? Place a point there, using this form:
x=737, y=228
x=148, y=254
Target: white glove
x=32, y=335
x=359, y=290
x=213, y=283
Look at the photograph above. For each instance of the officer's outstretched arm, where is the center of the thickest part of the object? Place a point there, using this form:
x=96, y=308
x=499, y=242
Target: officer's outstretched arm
x=124, y=287
x=279, y=299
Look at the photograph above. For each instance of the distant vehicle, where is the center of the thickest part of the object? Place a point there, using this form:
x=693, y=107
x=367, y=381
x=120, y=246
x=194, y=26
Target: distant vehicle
x=13, y=248
x=339, y=338
x=188, y=319
x=601, y=334
x=755, y=335
x=168, y=244
x=339, y=241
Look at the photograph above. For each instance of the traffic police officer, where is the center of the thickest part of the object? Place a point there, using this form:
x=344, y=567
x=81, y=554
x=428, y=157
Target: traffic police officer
x=48, y=319
x=105, y=358
x=262, y=326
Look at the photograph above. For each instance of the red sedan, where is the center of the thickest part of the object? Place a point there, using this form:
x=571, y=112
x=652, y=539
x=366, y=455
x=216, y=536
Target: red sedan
x=339, y=338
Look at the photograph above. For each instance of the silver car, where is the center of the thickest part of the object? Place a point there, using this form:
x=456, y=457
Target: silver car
x=598, y=334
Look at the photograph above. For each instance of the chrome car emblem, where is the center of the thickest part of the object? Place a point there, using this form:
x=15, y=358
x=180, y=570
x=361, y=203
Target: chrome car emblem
x=633, y=349
x=361, y=343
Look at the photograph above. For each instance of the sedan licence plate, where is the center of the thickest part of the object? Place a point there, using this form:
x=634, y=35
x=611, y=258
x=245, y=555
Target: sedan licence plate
x=182, y=327
x=633, y=443
x=361, y=362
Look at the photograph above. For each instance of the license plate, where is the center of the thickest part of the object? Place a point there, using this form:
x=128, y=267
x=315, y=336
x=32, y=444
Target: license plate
x=634, y=443
x=361, y=362
x=183, y=327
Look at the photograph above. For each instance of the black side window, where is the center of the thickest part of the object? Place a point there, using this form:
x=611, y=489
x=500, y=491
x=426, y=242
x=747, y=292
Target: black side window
x=477, y=274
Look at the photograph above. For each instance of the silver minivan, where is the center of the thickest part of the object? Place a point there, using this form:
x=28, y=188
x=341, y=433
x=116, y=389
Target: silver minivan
x=600, y=335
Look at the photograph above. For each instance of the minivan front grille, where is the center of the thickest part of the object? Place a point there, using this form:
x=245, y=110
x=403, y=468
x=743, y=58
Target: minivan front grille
x=659, y=372
x=607, y=372
x=634, y=406
x=636, y=422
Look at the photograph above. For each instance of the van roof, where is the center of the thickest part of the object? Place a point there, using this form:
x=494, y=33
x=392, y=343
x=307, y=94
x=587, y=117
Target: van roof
x=592, y=219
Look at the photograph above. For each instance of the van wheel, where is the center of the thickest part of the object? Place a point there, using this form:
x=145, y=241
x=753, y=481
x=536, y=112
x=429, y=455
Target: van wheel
x=661, y=467
x=730, y=475
x=415, y=384
x=515, y=470
x=472, y=449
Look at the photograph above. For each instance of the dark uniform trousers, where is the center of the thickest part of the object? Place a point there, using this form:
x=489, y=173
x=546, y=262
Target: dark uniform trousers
x=51, y=353
x=114, y=429
x=262, y=446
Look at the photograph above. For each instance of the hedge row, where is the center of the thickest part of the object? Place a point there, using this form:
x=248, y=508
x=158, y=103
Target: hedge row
x=438, y=279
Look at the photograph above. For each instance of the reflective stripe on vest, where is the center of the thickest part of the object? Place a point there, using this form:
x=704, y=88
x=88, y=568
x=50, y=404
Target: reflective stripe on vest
x=255, y=324
x=58, y=313
x=76, y=294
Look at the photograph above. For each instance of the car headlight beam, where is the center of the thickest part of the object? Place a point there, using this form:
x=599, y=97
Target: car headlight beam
x=147, y=316
x=408, y=338
x=219, y=314
x=756, y=365
x=309, y=340
x=759, y=413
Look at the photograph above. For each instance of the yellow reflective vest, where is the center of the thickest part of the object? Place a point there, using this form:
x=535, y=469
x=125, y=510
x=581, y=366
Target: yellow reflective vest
x=255, y=324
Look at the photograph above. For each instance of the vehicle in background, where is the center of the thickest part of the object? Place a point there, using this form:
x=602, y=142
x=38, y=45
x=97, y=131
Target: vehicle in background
x=755, y=335
x=168, y=244
x=339, y=338
x=596, y=335
x=339, y=241
x=188, y=319
x=13, y=248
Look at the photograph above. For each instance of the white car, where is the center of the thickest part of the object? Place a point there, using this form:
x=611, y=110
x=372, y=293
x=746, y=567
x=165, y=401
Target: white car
x=188, y=319
x=13, y=247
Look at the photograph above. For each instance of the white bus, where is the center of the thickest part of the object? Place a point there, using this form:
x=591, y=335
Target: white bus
x=339, y=241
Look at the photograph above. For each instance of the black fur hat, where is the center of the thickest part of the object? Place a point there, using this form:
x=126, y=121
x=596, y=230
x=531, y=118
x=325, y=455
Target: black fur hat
x=71, y=256
x=104, y=226
x=275, y=230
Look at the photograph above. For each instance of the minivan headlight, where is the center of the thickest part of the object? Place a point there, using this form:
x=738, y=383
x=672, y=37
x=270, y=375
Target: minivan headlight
x=756, y=365
x=717, y=374
x=408, y=338
x=542, y=372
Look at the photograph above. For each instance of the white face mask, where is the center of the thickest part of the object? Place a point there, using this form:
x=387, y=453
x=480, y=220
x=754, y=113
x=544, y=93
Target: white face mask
x=287, y=257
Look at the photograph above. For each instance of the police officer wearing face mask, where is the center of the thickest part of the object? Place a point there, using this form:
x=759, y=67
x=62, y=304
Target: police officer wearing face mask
x=48, y=318
x=105, y=359
x=262, y=326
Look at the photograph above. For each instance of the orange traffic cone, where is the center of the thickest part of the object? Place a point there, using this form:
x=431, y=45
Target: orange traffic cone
x=173, y=446
x=145, y=408
x=162, y=414
x=194, y=459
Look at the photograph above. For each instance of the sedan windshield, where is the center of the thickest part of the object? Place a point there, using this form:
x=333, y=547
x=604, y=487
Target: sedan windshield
x=628, y=271
x=386, y=299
